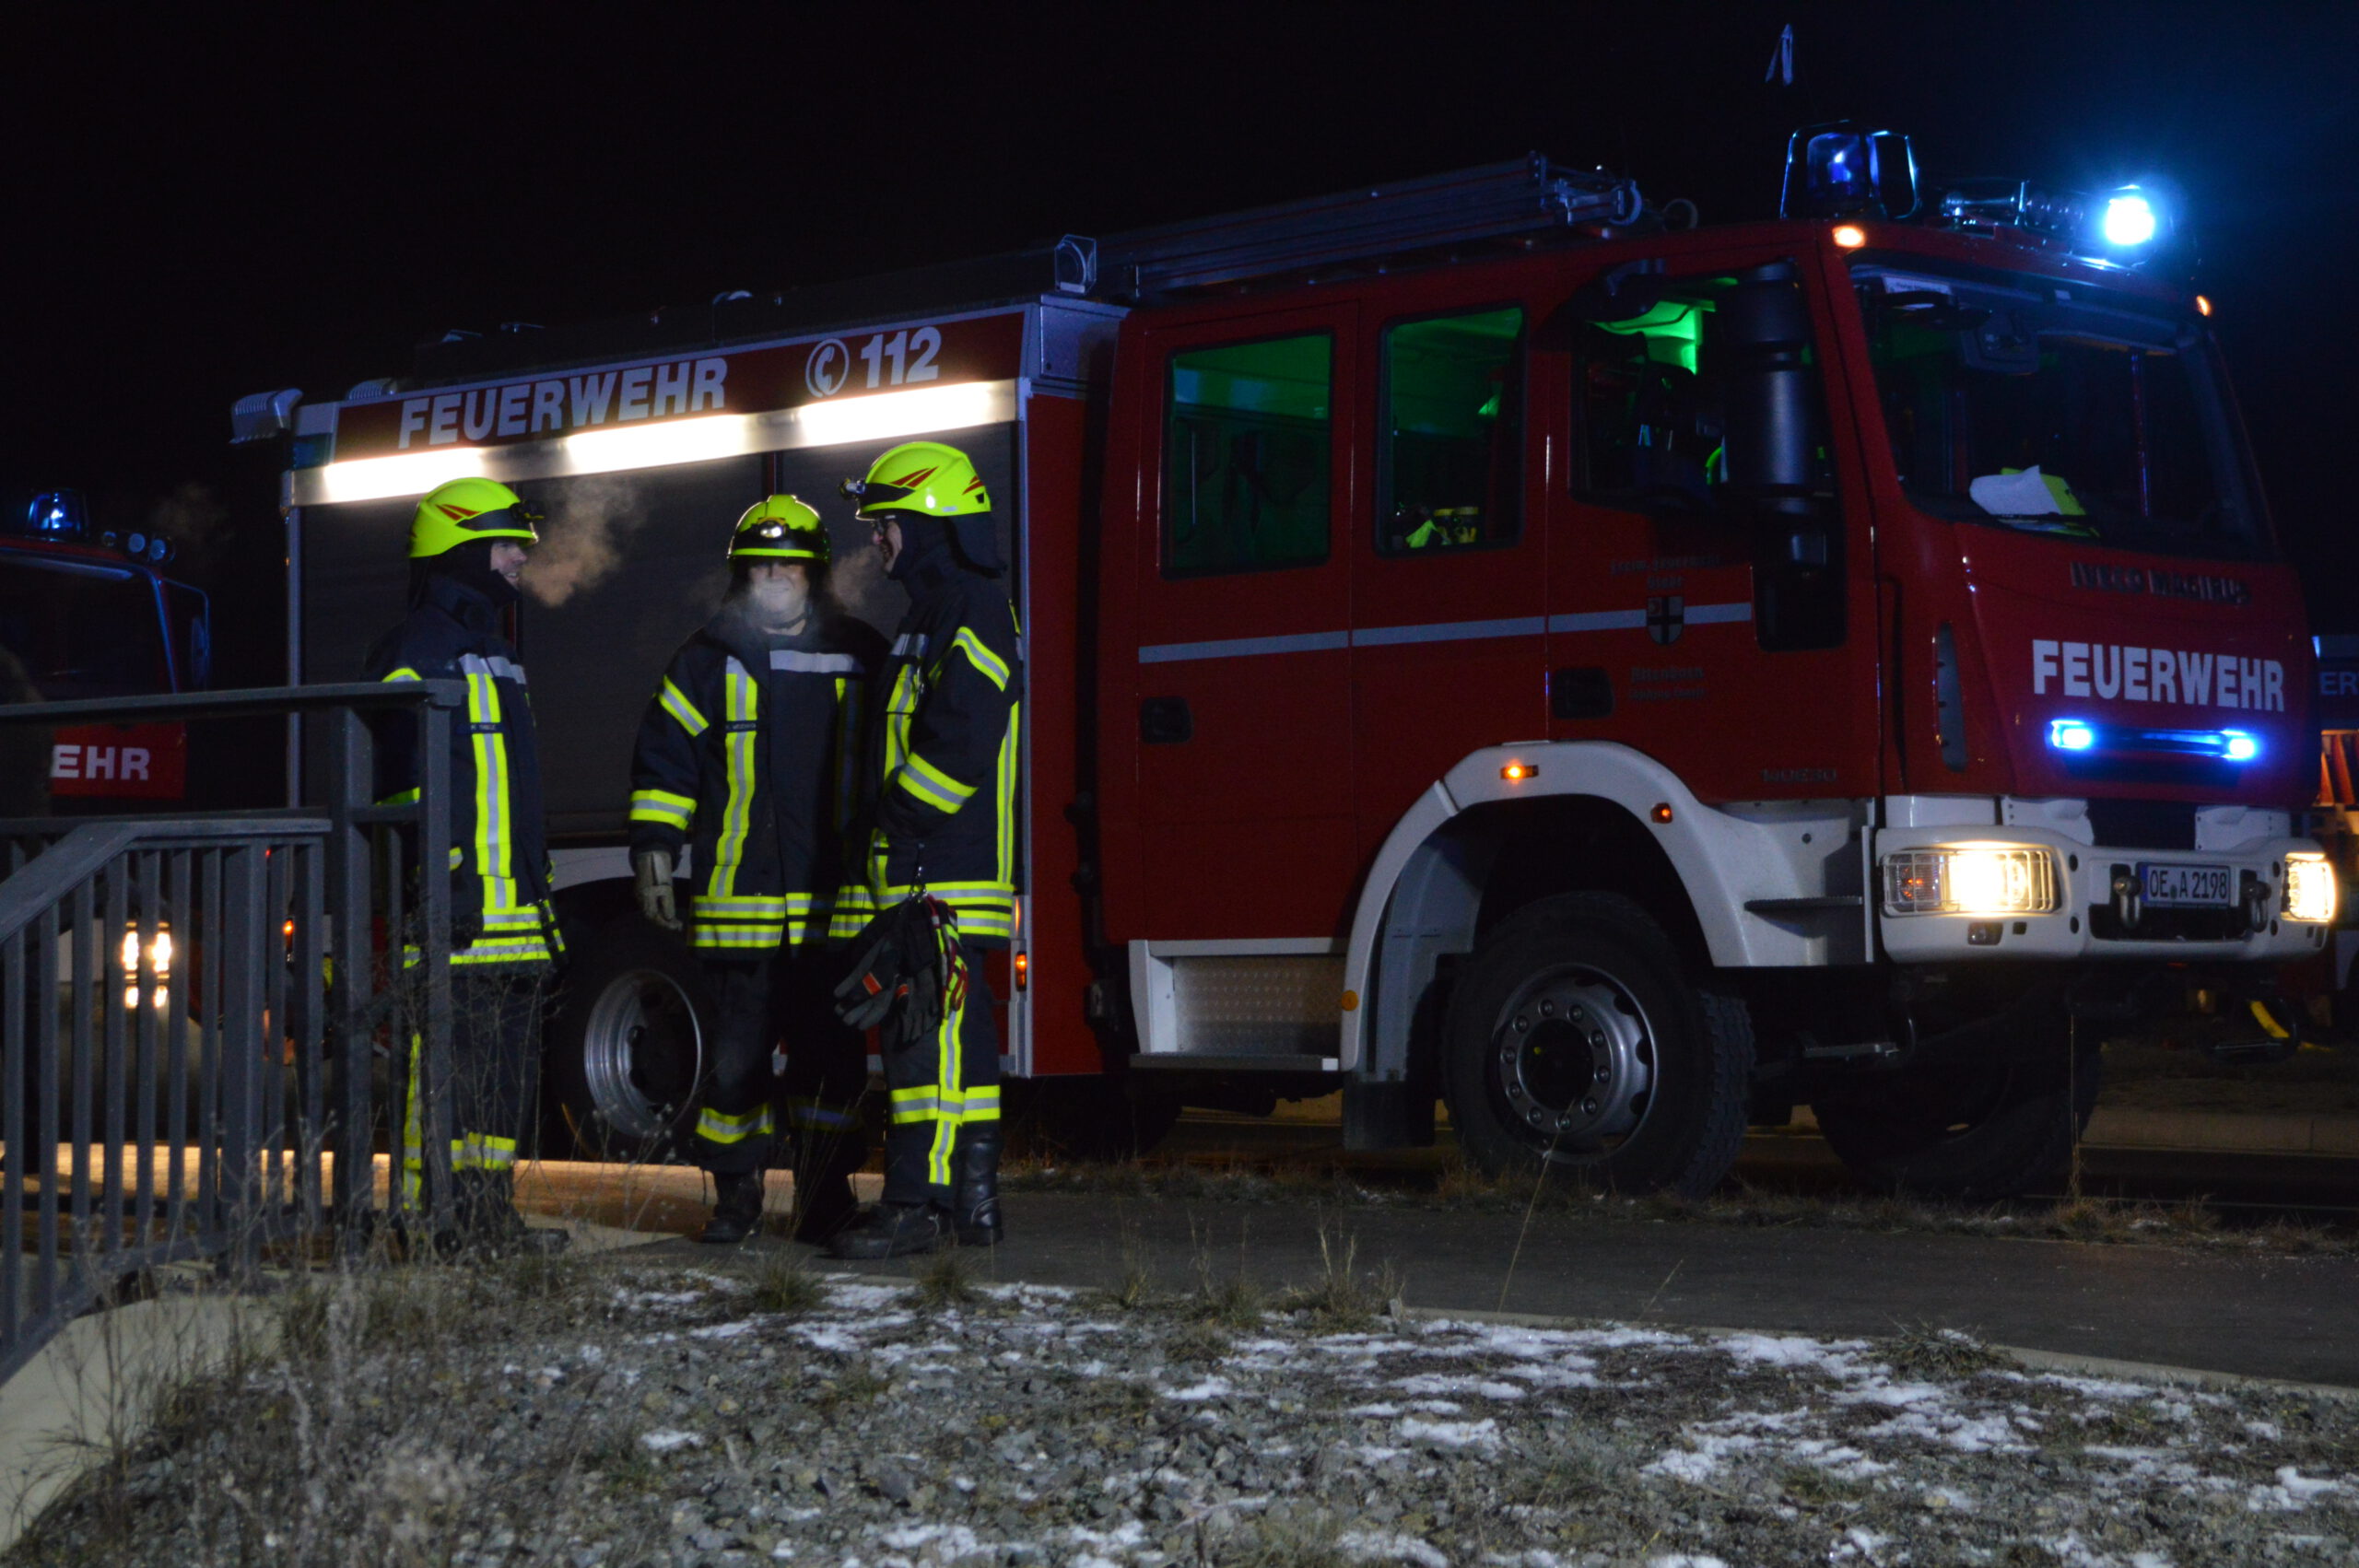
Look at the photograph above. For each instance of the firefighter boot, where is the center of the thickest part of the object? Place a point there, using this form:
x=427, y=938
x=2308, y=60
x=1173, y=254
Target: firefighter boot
x=823, y=1202
x=976, y=1210
x=893, y=1230
x=736, y=1208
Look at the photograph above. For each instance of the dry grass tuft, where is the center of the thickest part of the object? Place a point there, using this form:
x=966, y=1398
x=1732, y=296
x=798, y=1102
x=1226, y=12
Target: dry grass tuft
x=1344, y=1297
x=944, y=1280
x=782, y=1284
x=1921, y=1350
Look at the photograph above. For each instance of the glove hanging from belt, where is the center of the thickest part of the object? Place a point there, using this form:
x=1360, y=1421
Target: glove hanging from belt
x=908, y=970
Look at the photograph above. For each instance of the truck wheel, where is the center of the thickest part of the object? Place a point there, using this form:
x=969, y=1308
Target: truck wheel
x=1971, y=1131
x=1575, y=1045
x=624, y=1051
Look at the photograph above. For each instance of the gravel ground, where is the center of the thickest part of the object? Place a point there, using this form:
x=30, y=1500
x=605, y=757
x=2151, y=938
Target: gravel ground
x=593, y=1414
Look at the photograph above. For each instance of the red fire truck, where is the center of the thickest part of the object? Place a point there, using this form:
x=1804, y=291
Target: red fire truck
x=1490, y=641
x=88, y=613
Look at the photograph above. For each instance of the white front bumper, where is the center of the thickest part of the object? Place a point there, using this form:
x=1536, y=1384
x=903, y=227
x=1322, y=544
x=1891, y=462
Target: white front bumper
x=2084, y=881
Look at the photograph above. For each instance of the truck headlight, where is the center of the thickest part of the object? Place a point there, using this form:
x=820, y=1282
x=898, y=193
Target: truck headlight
x=1970, y=879
x=2309, y=889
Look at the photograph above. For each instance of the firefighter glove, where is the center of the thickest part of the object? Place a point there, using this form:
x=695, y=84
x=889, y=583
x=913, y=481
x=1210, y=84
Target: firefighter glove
x=906, y=971
x=653, y=868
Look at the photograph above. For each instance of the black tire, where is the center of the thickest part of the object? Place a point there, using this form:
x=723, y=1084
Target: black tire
x=622, y=1055
x=1578, y=1042
x=1102, y=1116
x=1968, y=1131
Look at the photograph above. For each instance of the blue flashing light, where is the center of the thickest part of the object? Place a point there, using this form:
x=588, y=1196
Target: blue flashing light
x=2071, y=735
x=2081, y=736
x=2130, y=220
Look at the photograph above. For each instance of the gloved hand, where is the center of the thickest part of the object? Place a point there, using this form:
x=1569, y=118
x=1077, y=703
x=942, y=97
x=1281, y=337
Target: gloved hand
x=653, y=868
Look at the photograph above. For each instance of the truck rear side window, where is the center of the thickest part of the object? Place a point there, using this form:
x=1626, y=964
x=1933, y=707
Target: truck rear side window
x=1453, y=422
x=1247, y=437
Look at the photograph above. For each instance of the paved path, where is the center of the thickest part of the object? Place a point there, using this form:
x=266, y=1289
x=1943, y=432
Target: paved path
x=2283, y=1318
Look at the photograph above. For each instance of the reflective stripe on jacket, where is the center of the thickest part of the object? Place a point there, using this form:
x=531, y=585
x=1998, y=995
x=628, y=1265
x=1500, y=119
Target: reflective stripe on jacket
x=741, y=755
x=939, y=763
x=498, y=855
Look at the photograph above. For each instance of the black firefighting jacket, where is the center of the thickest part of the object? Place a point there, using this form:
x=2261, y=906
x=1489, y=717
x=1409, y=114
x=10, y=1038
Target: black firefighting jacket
x=497, y=853
x=938, y=759
x=747, y=753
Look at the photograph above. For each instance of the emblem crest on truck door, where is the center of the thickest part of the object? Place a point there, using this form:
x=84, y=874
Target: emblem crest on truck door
x=1666, y=618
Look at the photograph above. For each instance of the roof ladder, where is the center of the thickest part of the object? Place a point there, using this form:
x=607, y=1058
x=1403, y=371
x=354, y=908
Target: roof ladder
x=1527, y=196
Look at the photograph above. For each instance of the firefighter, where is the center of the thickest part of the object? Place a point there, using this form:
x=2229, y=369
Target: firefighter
x=938, y=778
x=744, y=755
x=468, y=542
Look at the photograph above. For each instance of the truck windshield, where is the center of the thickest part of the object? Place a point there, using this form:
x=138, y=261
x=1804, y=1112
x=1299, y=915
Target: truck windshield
x=82, y=631
x=2055, y=409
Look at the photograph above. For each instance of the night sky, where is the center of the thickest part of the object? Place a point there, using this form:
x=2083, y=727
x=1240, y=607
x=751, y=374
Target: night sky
x=205, y=207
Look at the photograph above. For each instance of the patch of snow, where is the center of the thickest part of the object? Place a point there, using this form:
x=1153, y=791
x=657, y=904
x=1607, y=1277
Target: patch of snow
x=1710, y=1450
x=1443, y=1383
x=1370, y=1547
x=1883, y=1391
x=1436, y=1406
x=857, y=1294
x=625, y=1296
x=1858, y=1543
x=1685, y=1560
x=1210, y=1388
x=2293, y=1492
x=1837, y=1359
x=1484, y=1434
x=950, y=1541
x=2097, y=1388
x=1384, y=1412
x=724, y=1330
x=667, y=1440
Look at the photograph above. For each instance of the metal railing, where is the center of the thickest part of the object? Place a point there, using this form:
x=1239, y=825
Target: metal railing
x=192, y=1009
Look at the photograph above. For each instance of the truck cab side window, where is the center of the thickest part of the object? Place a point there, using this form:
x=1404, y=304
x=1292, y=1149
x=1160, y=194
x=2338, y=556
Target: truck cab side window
x=1699, y=398
x=1454, y=420
x=1247, y=429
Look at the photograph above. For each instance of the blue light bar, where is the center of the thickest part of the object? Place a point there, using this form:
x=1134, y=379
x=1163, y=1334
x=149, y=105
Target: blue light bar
x=2081, y=738
x=2071, y=735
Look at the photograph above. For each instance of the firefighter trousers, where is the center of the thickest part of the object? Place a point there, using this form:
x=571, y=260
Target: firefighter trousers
x=780, y=999
x=938, y=1086
x=495, y=1046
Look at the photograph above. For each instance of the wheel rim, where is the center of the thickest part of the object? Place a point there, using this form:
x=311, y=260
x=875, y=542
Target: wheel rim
x=642, y=1053
x=1573, y=1061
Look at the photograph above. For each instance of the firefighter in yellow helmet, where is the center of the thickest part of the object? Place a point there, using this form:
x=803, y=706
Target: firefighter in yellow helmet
x=467, y=546
x=938, y=765
x=742, y=757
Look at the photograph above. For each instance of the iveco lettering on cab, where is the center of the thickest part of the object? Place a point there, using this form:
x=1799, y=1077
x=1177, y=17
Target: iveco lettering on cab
x=1487, y=640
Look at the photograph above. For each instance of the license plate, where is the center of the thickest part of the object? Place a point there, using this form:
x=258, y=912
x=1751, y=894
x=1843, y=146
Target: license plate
x=2212, y=886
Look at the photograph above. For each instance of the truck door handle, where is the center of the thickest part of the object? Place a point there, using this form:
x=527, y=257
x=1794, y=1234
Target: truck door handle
x=1165, y=721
